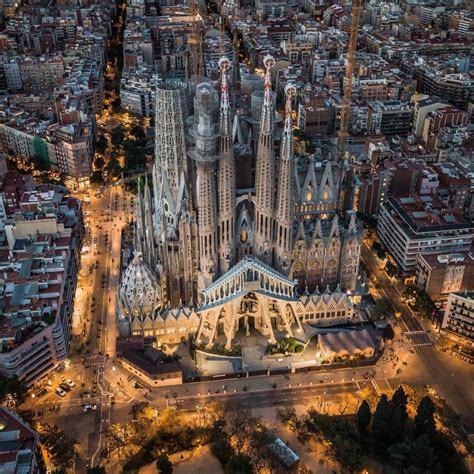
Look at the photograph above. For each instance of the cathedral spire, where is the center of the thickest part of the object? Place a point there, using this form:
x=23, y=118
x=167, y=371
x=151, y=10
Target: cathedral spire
x=235, y=63
x=268, y=114
x=225, y=126
x=225, y=176
x=148, y=225
x=265, y=172
x=285, y=203
x=138, y=230
x=205, y=152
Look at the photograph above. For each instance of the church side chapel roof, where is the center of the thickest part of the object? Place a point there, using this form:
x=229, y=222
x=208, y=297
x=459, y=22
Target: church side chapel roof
x=139, y=285
x=346, y=341
x=186, y=312
x=312, y=300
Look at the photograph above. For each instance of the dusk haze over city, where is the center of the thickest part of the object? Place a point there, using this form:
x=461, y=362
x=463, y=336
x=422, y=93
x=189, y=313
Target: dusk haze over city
x=236, y=236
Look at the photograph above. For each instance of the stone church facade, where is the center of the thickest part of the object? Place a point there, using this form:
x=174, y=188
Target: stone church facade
x=218, y=258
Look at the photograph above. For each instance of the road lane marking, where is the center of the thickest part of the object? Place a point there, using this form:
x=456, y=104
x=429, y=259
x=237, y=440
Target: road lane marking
x=376, y=387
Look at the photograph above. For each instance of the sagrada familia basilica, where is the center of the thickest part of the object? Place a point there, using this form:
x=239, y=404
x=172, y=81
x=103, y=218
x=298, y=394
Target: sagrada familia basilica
x=238, y=231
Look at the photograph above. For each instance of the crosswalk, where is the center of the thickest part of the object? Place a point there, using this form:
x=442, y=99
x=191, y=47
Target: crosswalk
x=413, y=333
x=423, y=344
x=376, y=387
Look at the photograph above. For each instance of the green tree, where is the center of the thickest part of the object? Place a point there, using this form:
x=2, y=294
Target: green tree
x=117, y=136
x=99, y=163
x=144, y=414
x=135, y=156
x=113, y=166
x=381, y=419
x=363, y=416
x=101, y=144
x=388, y=333
x=369, y=220
x=381, y=254
x=138, y=132
x=392, y=270
x=96, y=470
x=116, y=102
x=343, y=435
x=424, y=418
x=164, y=465
x=239, y=465
x=400, y=399
x=96, y=177
x=220, y=446
x=12, y=391
x=381, y=310
x=397, y=423
x=60, y=446
x=42, y=162
x=415, y=456
x=376, y=246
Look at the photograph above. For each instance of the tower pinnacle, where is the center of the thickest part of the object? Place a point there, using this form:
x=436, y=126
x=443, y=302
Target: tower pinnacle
x=226, y=176
x=265, y=172
x=225, y=127
x=268, y=114
x=284, y=204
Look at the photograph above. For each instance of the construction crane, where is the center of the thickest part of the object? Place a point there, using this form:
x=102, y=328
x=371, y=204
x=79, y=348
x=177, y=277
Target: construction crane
x=195, y=41
x=351, y=53
x=346, y=178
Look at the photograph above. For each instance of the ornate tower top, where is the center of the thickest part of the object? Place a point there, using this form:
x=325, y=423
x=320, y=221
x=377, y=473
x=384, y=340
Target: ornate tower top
x=225, y=127
x=287, y=141
x=266, y=126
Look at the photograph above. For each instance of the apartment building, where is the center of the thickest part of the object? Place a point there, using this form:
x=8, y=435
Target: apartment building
x=458, y=88
x=458, y=319
x=368, y=90
x=439, y=275
x=315, y=118
x=67, y=147
x=389, y=118
x=415, y=225
x=41, y=74
x=137, y=91
x=74, y=149
x=20, y=450
x=39, y=274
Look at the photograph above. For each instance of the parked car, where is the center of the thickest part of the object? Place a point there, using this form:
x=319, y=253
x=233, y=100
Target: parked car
x=69, y=383
x=64, y=387
x=59, y=391
x=41, y=393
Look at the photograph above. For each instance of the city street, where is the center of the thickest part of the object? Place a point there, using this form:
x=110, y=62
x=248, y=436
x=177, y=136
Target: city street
x=94, y=328
x=451, y=377
x=109, y=387
x=111, y=390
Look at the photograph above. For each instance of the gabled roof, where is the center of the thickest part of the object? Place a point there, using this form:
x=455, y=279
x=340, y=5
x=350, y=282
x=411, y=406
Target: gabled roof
x=250, y=274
